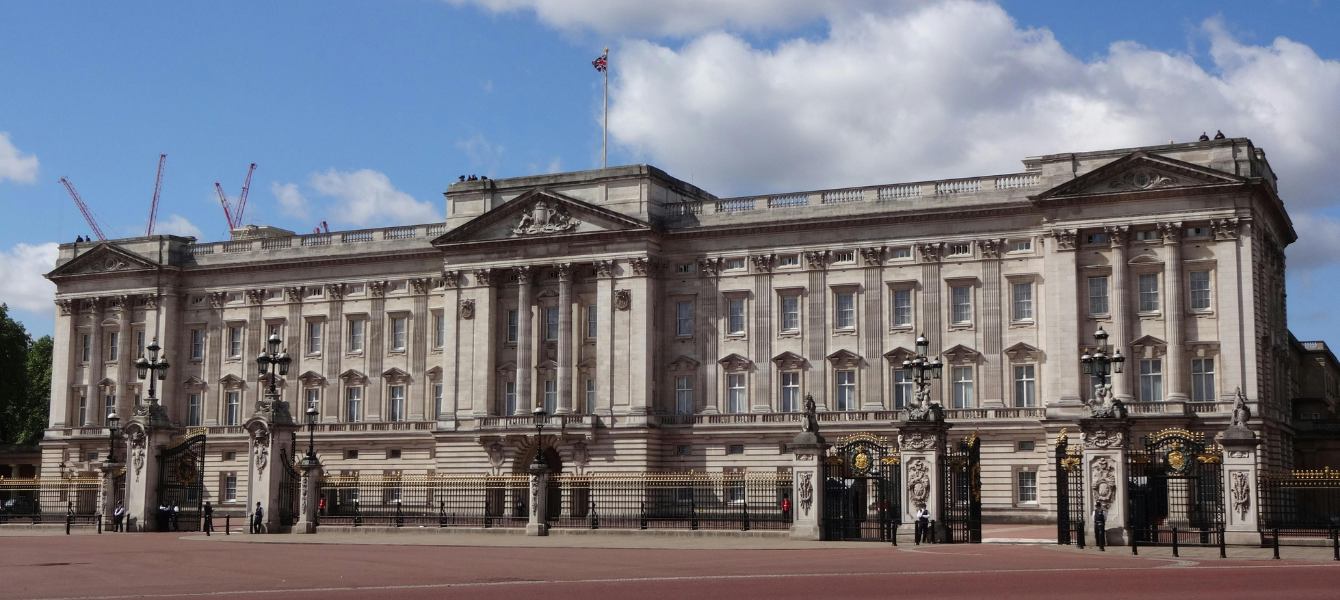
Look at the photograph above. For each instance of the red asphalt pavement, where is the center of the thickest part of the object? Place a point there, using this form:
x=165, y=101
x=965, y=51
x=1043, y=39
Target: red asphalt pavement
x=165, y=566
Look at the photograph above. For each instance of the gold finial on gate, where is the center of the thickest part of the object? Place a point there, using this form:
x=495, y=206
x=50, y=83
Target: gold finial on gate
x=1060, y=437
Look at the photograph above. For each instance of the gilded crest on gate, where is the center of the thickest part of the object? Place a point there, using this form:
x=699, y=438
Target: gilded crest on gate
x=861, y=462
x=186, y=469
x=1175, y=459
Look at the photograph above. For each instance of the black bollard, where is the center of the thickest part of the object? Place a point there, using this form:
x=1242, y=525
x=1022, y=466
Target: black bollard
x=1175, y=555
x=227, y=524
x=1135, y=543
x=1277, y=544
x=1335, y=539
x=99, y=524
x=1223, y=545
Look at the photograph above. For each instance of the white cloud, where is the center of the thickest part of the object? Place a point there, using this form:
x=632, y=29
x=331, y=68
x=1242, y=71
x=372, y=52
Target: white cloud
x=178, y=225
x=290, y=199
x=22, y=286
x=366, y=198
x=680, y=17
x=956, y=88
x=14, y=165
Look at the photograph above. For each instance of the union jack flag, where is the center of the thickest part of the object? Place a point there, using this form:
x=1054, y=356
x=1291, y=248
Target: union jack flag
x=601, y=63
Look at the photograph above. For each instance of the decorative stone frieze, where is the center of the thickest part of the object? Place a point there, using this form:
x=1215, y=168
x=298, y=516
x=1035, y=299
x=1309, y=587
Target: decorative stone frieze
x=467, y=309
x=1065, y=238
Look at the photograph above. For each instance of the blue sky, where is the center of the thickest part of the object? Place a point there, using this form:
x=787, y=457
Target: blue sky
x=349, y=104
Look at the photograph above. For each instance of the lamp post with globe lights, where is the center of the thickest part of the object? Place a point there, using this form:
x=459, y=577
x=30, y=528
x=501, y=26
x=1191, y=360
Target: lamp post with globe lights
x=924, y=369
x=1101, y=362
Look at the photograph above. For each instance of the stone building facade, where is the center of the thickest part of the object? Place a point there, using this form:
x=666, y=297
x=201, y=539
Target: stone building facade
x=668, y=329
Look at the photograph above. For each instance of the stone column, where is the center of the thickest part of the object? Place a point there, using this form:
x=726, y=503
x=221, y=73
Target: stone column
x=309, y=495
x=921, y=445
x=375, y=352
x=761, y=334
x=816, y=329
x=706, y=334
x=807, y=507
x=1065, y=294
x=420, y=340
x=95, y=371
x=64, y=410
x=1174, y=315
x=605, y=337
x=1240, y=485
x=334, y=343
x=996, y=310
x=929, y=311
x=564, y=339
x=478, y=319
x=525, y=343
x=145, y=437
x=872, y=329
x=539, y=485
x=1105, y=474
x=1119, y=303
x=126, y=379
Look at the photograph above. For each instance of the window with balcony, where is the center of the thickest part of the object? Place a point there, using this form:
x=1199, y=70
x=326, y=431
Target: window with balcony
x=550, y=396
x=590, y=396
x=902, y=388
x=509, y=398
x=396, y=407
x=735, y=393
x=684, y=395
x=790, y=392
x=1202, y=380
x=193, y=410
x=846, y=390
x=1151, y=380
x=963, y=391
x=1025, y=386
x=354, y=404
x=233, y=409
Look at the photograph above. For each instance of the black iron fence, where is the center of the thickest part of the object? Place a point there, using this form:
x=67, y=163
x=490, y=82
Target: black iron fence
x=425, y=500
x=738, y=501
x=52, y=501
x=1300, y=504
x=1069, y=492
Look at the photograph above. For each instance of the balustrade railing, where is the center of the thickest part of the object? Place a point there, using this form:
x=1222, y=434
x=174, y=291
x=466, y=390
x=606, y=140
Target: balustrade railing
x=788, y=200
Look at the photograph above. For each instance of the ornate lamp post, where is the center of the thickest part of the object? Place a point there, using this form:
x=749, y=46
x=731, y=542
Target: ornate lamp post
x=148, y=368
x=113, y=423
x=273, y=357
x=1100, y=362
x=924, y=369
x=311, y=433
x=541, y=419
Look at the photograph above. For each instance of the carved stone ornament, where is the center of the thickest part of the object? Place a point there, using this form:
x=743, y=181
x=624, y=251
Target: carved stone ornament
x=805, y=492
x=255, y=296
x=918, y=440
x=485, y=276
x=110, y=263
x=565, y=272
x=151, y=302
x=66, y=306
x=138, y=441
x=989, y=248
x=377, y=289
x=623, y=299
x=639, y=265
x=1224, y=229
x=1104, y=478
x=1238, y=454
x=816, y=259
x=467, y=309
x=534, y=493
x=1242, y=494
x=543, y=218
x=496, y=454
x=1241, y=414
x=710, y=267
x=918, y=482
x=1118, y=234
x=452, y=279
x=930, y=252
x=218, y=299
x=762, y=262
x=293, y=294
x=1105, y=405
x=604, y=269
x=804, y=457
x=873, y=257
x=420, y=285
x=1171, y=232
x=809, y=422
x=1141, y=180
x=335, y=291
x=580, y=454
x=261, y=442
x=1103, y=439
x=1065, y=238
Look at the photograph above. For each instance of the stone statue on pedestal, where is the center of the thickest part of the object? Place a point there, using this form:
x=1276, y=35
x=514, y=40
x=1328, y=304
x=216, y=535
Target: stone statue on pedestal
x=1104, y=404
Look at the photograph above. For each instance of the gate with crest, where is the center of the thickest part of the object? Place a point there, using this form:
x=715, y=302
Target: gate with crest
x=1175, y=489
x=181, y=478
x=862, y=482
x=1069, y=492
x=961, y=491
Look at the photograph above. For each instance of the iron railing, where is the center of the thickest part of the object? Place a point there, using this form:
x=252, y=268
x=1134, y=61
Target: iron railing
x=428, y=500
x=740, y=501
x=38, y=500
x=1299, y=504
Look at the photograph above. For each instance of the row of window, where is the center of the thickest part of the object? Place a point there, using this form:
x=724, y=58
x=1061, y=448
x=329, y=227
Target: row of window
x=1148, y=299
x=113, y=346
x=840, y=257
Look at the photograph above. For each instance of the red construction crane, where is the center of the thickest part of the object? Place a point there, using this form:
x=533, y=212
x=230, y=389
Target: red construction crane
x=158, y=186
x=83, y=208
x=234, y=215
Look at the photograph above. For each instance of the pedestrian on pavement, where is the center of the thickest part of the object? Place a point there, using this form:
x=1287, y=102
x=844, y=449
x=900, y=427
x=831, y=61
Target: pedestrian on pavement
x=118, y=516
x=1100, y=525
x=176, y=517
x=207, y=519
x=922, y=531
x=257, y=519
x=321, y=506
x=161, y=518
x=786, y=507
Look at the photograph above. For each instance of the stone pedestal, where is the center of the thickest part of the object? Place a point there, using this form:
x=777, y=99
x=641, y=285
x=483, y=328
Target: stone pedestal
x=1105, y=475
x=268, y=428
x=921, y=445
x=106, y=494
x=539, y=484
x=807, y=507
x=1240, y=518
x=146, y=434
x=309, y=494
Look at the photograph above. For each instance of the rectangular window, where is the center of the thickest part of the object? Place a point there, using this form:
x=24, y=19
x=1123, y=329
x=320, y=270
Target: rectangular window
x=233, y=414
x=1097, y=238
x=397, y=405
x=790, y=392
x=1021, y=246
x=1149, y=292
x=550, y=396
x=314, y=337
x=844, y=256
x=963, y=396
x=509, y=398
x=513, y=320
x=235, y=342
x=1025, y=386
x=109, y=406
x=551, y=324
x=592, y=322
x=736, y=449
x=398, y=333
x=354, y=404
x=790, y=313
x=735, y=324
x=960, y=249
x=1200, y=290
x=1194, y=232
x=356, y=335
x=590, y=396
x=1026, y=446
x=1202, y=380
x=846, y=390
x=735, y=393
x=684, y=268
x=313, y=398
x=438, y=408
x=439, y=330
x=1147, y=235
x=139, y=343
x=274, y=330
x=83, y=410
x=962, y=298
x=735, y=263
x=197, y=344
x=684, y=395
x=138, y=401
x=845, y=318
x=902, y=307
x=902, y=388
x=1023, y=302
x=1028, y=486
x=789, y=260
x=112, y=339
x=1097, y=295
x=904, y=252
x=683, y=318
x=87, y=348
x=685, y=451
x=1151, y=380
x=230, y=488
x=193, y=410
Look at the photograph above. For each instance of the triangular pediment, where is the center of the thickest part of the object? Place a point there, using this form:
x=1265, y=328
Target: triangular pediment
x=961, y=354
x=104, y=258
x=683, y=363
x=1140, y=172
x=396, y=376
x=735, y=363
x=312, y=379
x=106, y=382
x=540, y=213
x=1145, y=259
x=353, y=377
x=844, y=359
x=232, y=382
x=789, y=361
x=898, y=355
x=194, y=384
x=434, y=374
x=1149, y=340
x=1022, y=351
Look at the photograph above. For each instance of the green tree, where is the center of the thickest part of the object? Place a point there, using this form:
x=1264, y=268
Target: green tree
x=14, y=342
x=33, y=418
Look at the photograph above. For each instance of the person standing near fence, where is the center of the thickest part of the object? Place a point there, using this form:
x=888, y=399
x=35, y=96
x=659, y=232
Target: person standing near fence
x=207, y=519
x=257, y=519
x=175, y=516
x=923, y=524
x=118, y=516
x=1100, y=525
x=786, y=507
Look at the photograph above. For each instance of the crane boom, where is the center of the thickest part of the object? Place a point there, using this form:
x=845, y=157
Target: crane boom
x=242, y=200
x=223, y=199
x=158, y=187
x=83, y=208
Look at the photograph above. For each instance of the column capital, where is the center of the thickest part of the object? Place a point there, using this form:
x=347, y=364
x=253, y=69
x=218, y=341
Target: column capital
x=1171, y=232
x=604, y=269
x=256, y=296
x=874, y=256
x=990, y=248
x=762, y=262
x=1118, y=235
x=565, y=272
x=420, y=285
x=452, y=279
x=66, y=306
x=1065, y=238
x=376, y=288
x=640, y=265
x=335, y=291
x=1225, y=229
x=710, y=267
x=817, y=260
x=218, y=299
x=484, y=277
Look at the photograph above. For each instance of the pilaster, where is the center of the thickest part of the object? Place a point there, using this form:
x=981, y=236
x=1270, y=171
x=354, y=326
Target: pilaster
x=1105, y=476
x=994, y=311
x=63, y=362
x=565, y=362
x=94, y=370
x=375, y=338
x=334, y=343
x=761, y=334
x=872, y=329
x=1174, y=314
x=309, y=493
x=1062, y=385
x=525, y=342
x=605, y=336
x=1240, y=485
x=816, y=339
x=707, y=331
x=1119, y=304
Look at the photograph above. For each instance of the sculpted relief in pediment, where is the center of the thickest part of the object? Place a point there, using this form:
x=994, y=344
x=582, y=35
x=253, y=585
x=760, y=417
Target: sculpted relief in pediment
x=545, y=218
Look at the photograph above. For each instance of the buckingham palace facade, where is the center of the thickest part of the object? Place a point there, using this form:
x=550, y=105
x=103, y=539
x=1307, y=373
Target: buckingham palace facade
x=670, y=330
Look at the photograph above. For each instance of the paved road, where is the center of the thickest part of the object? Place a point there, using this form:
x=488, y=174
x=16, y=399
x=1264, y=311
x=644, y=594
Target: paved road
x=169, y=566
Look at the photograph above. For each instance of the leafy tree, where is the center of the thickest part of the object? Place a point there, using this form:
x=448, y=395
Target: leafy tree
x=25, y=382
x=33, y=419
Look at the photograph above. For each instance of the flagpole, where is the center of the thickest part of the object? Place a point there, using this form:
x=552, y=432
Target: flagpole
x=605, y=125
